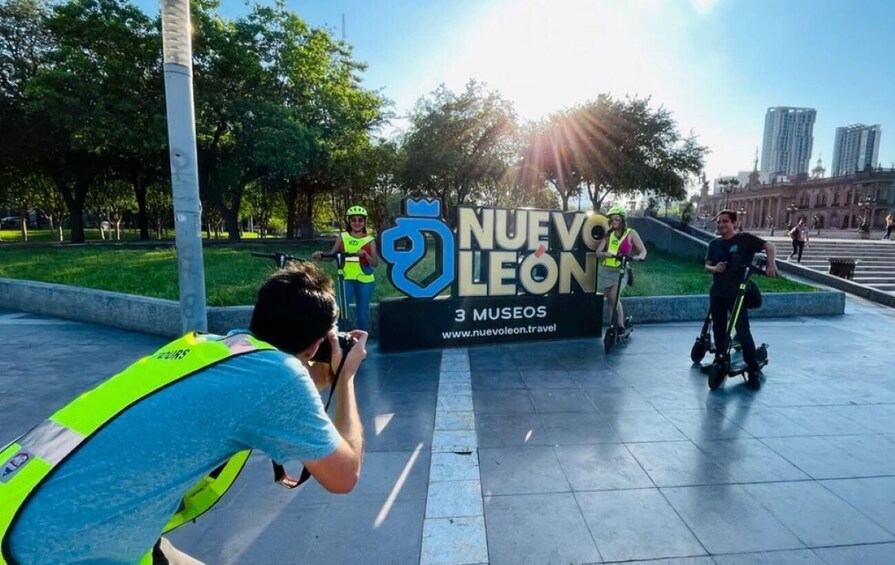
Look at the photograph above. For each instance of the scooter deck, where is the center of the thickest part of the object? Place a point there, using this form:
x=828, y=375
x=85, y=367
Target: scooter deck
x=737, y=365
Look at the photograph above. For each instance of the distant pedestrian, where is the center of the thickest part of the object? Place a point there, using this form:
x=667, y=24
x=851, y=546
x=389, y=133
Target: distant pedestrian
x=890, y=225
x=799, y=235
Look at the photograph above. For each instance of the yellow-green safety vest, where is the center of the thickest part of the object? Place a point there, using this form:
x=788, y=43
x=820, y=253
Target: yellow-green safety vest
x=612, y=247
x=353, y=244
x=31, y=459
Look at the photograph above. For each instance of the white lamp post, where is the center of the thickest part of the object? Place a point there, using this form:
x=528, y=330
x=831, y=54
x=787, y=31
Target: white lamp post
x=178, y=61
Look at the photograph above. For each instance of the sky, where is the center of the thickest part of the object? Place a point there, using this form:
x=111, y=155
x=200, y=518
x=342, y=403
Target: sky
x=716, y=65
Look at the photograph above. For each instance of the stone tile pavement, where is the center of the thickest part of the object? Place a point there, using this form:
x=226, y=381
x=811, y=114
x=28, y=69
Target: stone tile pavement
x=556, y=453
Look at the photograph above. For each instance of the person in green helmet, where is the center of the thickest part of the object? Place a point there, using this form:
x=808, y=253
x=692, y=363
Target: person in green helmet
x=359, y=279
x=621, y=240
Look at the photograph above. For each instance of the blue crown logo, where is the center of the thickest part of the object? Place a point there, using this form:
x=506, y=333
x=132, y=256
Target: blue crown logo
x=423, y=208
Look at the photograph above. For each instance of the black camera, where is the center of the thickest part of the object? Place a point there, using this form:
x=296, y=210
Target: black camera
x=324, y=352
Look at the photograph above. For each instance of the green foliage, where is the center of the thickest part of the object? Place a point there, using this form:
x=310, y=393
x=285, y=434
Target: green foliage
x=284, y=128
x=279, y=104
x=620, y=147
x=460, y=146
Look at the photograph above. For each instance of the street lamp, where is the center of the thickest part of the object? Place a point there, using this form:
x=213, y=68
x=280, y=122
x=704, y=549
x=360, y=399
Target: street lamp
x=741, y=214
x=178, y=68
x=728, y=185
x=790, y=210
x=866, y=204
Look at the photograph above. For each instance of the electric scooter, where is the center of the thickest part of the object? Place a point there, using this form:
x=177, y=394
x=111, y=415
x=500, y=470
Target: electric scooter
x=613, y=336
x=729, y=362
x=340, y=257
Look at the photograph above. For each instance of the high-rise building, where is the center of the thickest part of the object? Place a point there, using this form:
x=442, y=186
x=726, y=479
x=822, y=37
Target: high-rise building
x=856, y=146
x=788, y=140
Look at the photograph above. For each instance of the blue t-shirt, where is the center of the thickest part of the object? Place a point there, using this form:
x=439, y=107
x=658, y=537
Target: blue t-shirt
x=109, y=502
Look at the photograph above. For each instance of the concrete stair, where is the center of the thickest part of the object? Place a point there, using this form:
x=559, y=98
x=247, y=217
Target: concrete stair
x=875, y=259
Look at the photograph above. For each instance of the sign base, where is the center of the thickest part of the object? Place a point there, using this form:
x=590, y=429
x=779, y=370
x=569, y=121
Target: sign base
x=450, y=322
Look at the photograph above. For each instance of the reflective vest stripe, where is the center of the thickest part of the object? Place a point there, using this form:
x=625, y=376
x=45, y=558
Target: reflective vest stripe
x=351, y=244
x=32, y=458
x=50, y=441
x=612, y=247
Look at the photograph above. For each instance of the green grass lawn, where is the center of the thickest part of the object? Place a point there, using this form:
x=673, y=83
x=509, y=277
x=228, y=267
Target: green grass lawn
x=232, y=275
x=667, y=275
x=8, y=235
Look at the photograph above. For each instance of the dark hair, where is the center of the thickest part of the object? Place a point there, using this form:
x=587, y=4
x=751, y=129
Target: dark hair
x=730, y=214
x=296, y=306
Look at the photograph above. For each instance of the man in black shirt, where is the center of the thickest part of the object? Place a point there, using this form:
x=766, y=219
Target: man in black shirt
x=727, y=254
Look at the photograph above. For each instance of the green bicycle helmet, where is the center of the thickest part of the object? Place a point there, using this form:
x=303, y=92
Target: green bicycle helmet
x=356, y=211
x=617, y=211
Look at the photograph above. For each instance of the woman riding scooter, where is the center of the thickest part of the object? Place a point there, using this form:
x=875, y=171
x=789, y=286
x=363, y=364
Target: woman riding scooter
x=619, y=241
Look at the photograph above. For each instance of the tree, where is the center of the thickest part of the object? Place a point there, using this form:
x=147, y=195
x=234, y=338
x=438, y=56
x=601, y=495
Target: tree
x=551, y=154
x=620, y=147
x=373, y=181
x=24, y=44
x=460, y=146
x=159, y=207
x=277, y=100
x=50, y=201
x=111, y=200
x=82, y=103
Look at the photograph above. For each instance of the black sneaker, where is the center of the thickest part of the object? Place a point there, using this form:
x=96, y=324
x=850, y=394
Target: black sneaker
x=752, y=380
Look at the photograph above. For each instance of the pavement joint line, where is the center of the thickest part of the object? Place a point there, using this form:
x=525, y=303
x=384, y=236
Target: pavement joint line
x=454, y=524
x=13, y=316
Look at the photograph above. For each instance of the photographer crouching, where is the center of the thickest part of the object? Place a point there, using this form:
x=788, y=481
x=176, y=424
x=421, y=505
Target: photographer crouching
x=159, y=443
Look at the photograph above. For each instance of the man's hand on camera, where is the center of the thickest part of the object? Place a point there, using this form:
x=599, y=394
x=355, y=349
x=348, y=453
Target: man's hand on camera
x=336, y=350
x=356, y=354
x=720, y=266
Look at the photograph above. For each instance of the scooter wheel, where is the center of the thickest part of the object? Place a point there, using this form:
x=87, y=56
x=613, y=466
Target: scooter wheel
x=609, y=339
x=761, y=355
x=697, y=353
x=716, y=376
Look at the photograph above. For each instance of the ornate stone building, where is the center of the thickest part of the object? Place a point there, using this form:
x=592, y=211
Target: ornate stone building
x=829, y=203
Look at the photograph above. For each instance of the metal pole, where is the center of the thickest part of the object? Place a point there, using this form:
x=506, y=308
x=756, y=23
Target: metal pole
x=178, y=60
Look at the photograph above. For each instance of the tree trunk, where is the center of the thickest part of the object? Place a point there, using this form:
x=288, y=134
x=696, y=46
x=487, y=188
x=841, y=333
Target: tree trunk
x=231, y=217
x=142, y=214
x=24, y=225
x=291, y=197
x=307, y=223
x=77, y=221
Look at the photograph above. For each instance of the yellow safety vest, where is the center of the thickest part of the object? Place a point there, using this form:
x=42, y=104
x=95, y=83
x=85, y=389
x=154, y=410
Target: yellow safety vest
x=31, y=459
x=612, y=247
x=352, y=244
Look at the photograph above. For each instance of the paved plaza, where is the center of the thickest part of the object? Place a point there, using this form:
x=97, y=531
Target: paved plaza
x=553, y=452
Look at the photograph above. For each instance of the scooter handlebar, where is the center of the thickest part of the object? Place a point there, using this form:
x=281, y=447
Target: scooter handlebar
x=280, y=257
x=336, y=255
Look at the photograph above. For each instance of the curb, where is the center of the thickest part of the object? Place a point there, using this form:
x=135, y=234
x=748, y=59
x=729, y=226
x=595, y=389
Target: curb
x=157, y=316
